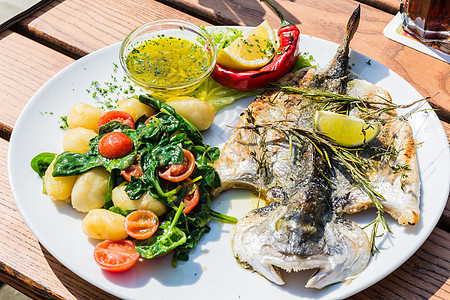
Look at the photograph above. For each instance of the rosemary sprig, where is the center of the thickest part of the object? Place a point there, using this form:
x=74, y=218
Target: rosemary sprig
x=260, y=156
x=329, y=150
x=398, y=167
x=344, y=103
x=328, y=97
x=222, y=217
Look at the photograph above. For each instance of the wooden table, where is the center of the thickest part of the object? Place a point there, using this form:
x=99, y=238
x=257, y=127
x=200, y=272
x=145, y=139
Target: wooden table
x=33, y=50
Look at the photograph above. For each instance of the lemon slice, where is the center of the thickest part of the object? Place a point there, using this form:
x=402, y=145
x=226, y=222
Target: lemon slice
x=252, y=51
x=345, y=130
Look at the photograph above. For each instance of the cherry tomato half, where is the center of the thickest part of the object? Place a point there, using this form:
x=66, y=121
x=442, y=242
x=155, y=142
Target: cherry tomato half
x=115, y=256
x=177, y=173
x=116, y=115
x=141, y=224
x=134, y=170
x=191, y=199
x=115, y=145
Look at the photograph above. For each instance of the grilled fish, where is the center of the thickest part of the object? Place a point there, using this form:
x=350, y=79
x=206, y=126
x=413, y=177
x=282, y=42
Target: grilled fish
x=396, y=176
x=302, y=226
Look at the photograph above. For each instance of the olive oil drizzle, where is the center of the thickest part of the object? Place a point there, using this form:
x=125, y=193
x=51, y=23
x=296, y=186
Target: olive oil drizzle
x=168, y=61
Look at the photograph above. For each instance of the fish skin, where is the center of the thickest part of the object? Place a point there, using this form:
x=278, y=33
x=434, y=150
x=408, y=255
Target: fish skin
x=401, y=190
x=302, y=227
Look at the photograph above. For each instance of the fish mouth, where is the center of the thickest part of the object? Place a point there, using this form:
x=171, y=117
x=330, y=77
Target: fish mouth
x=344, y=255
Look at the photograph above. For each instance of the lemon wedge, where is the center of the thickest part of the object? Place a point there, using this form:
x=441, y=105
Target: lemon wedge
x=252, y=51
x=345, y=130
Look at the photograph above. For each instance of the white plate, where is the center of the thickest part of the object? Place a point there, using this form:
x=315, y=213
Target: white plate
x=211, y=272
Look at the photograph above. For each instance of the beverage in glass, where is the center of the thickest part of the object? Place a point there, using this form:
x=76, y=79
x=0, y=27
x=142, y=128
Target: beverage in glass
x=427, y=20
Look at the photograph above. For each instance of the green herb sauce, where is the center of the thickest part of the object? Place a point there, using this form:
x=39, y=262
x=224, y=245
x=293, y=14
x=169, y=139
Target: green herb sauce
x=168, y=61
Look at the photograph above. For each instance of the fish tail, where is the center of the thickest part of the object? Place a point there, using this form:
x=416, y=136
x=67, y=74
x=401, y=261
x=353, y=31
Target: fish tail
x=352, y=25
x=339, y=64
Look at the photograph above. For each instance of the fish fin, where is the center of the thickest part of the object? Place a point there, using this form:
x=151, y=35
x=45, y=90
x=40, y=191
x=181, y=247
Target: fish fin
x=352, y=24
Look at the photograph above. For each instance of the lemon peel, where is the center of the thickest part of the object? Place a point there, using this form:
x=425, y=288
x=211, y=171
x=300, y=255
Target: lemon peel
x=252, y=51
x=345, y=130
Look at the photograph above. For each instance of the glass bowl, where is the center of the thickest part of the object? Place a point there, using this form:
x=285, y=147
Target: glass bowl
x=166, y=71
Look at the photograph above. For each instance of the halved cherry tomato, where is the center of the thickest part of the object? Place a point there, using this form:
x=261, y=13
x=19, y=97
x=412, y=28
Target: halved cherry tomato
x=116, y=115
x=191, y=199
x=141, y=224
x=177, y=173
x=114, y=145
x=115, y=256
x=134, y=170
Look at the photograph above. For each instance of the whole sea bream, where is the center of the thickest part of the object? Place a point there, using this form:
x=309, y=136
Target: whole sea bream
x=273, y=151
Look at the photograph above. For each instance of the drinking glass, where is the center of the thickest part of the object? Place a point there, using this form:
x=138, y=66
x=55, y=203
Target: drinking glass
x=427, y=20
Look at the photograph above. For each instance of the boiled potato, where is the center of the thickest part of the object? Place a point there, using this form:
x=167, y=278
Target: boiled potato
x=102, y=224
x=121, y=199
x=84, y=115
x=196, y=111
x=58, y=188
x=135, y=108
x=89, y=191
x=77, y=139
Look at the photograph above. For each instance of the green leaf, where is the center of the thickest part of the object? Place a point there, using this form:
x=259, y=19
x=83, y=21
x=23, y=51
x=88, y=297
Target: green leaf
x=303, y=61
x=113, y=126
x=169, y=154
x=169, y=122
x=220, y=96
x=223, y=218
x=136, y=188
x=166, y=238
x=68, y=163
x=114, y=180
x=205, y=154
x=223, y=38
x=210, y=177
x=182, y=252
x=40, y=162
x=184, y=125
x=120, y=211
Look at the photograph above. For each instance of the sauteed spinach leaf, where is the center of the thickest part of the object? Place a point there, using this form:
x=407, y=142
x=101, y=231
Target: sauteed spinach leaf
x=41, y=162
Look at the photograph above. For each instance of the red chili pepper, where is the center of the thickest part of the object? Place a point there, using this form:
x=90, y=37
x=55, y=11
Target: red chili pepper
x=283, y=61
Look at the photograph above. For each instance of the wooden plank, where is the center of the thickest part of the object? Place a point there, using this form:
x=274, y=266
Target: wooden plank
x=5, y=131
x=444, y=222
x=25, y=67
x=390, y=6
x=24, y=263
x=327, y=20
x=83, y=26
